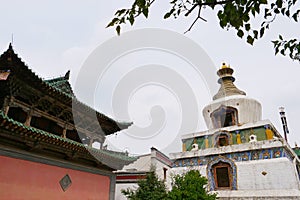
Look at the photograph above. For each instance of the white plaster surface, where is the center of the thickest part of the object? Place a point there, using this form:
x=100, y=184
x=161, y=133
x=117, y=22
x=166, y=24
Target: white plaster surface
x=280, y=175
x=280, y=182
x=249, y=110
x=259, y=195
x=143, y=164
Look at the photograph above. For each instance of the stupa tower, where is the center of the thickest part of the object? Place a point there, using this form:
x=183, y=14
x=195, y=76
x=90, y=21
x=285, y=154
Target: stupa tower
x=242, y=156
x=230, y=106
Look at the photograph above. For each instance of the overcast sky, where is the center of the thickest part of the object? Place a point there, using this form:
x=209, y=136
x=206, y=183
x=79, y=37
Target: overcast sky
x=55, y=36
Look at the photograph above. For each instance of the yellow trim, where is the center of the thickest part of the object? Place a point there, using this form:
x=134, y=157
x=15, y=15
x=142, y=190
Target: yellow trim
x=269, y=134
x=238, y=139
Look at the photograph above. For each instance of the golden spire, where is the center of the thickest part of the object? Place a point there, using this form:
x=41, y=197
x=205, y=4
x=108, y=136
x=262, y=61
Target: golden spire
x=224, y=66
x=226, y=81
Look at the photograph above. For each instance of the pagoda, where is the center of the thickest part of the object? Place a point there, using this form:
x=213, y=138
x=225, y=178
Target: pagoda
x=242, y=156
x=44, y=154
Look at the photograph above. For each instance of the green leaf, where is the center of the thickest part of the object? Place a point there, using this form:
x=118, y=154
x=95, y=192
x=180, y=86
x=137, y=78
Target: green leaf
x=295, y=17
x=243, y=2
x=250, y=40
x=223, y=23
x=240, y=33
x=141, y=3
x=247, y=27
x=287, y=13
x=120, y=12
x=246, y=18
x=253, y=11
x=276, y=50
x=168, y=14
x=264, y=1
x=256, y=6
x=131, y=19
x=146, y=12
x=112, y=23
x=118, y=29
x=262, y=31
x=280, y=37
x=255, y=32
x=279, y=3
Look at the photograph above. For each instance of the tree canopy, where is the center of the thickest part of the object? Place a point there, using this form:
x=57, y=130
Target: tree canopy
x=232, y=14
x=190, y=185
x=150, y=188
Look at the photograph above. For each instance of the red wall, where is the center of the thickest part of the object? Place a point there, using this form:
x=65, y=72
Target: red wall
x=20, y=179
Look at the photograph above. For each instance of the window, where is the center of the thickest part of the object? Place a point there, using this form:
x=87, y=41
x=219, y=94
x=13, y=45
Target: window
x=224, y=116
x=46, y=124
x=222, y=175
x=222, y=140
x=165, y=173
x=17, y=114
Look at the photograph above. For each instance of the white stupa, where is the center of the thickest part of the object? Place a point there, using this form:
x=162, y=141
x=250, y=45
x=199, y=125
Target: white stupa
x=243, y=156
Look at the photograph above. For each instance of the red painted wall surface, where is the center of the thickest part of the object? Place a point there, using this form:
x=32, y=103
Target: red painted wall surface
x=20, y=179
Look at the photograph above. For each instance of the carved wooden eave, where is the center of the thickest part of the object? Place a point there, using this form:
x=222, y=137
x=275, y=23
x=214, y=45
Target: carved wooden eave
x=14, y=134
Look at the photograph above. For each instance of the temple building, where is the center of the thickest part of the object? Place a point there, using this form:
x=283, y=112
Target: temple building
x=129, y=176
x=242, y=156
x=44, y=154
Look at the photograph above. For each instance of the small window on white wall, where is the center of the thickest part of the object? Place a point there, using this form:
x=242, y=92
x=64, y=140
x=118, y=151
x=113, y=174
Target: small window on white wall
x=222, y=175
x=165, y=173
x=223, y=140
x=224, y=116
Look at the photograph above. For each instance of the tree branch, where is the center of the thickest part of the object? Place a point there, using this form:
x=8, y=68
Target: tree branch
x=207, y=4
x=198, y=17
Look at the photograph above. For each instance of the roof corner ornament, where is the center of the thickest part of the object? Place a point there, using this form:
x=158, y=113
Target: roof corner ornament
x=67, y=75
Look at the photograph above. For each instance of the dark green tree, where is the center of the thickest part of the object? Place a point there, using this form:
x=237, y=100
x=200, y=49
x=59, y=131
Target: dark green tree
x=232, y=14
x=190, y=186
x=150, y=188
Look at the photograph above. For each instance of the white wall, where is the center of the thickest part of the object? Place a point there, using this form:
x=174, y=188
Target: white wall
x=249, y=110
x=281, y=174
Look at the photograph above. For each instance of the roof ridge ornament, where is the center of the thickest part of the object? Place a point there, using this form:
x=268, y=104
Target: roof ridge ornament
x=67, y=75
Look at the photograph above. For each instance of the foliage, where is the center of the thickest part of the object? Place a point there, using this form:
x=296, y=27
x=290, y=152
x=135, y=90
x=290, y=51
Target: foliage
x=150, y=188
x=232, y=14
x=190, y=186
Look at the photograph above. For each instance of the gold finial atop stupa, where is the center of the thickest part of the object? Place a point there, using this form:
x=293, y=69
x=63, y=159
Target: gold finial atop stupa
x=226, y=81
x=224, y=66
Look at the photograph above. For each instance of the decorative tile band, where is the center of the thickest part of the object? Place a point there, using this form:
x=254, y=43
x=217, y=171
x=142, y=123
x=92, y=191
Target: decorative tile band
x=234, y=137
x=237, y=157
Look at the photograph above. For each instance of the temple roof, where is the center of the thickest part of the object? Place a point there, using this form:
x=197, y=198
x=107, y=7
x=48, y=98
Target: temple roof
x=57, y=88
x=39, y=139
x=227, y=86
x=62, y=84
